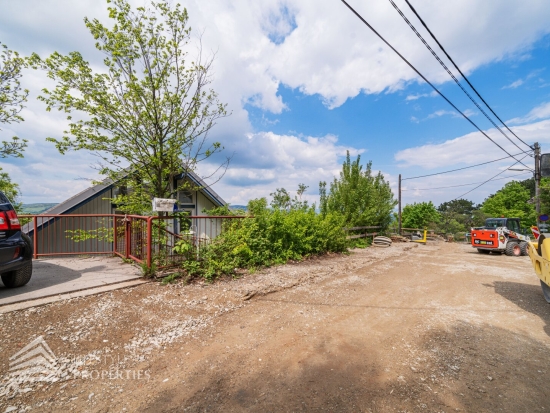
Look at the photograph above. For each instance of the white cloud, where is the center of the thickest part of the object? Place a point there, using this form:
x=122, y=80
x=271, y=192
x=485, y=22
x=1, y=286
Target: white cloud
x=44, y=175
x=454, y=114
x=273, y=161
x=446, y=187
x=515, y=85
x=317, y=47
x=540, y=112
x=421, y=95
x=473, y=148
x=346, y=58
x=439, y=113
x=467, y=112
x=520, y=82
x=279, y=24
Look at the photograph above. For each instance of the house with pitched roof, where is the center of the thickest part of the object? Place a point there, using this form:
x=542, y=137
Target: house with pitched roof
x=97, y=199
x=58, y=234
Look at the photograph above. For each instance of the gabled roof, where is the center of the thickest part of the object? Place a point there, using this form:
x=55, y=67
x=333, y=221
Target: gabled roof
x=197, y=180
x=70, y=204
x=96, y=190
x=79, y=199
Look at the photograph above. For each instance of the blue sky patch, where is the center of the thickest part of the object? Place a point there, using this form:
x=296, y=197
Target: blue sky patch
x=280, y=25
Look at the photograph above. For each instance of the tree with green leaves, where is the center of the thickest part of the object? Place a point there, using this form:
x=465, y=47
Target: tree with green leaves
x=280, y=199
x=10, y=189
x=12, y=98
x=529, y=184
x=545, y=196
x=147, y=113
x=458, y=206
x=420, y=215
x=457, y=215
x=363, y=199
x=511, y=202
x=478, y=218
x=283, y=200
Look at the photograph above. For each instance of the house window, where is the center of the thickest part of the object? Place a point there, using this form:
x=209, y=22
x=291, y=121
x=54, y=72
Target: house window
x=185, y=197
x=120, y=191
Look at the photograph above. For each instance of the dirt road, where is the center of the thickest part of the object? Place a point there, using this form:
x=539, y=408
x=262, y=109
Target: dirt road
x=436, y=328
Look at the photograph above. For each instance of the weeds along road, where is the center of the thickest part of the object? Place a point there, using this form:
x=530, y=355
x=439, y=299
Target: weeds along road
x=435, y=328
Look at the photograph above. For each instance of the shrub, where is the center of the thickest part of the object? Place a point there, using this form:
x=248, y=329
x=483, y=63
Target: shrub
x=420, y=215
x=268, y=237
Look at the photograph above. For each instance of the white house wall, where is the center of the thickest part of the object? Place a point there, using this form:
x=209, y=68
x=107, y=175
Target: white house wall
x=203, y=203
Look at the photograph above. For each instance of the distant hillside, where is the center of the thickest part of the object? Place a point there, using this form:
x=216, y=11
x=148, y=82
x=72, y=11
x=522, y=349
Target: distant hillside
x=36, y=208
x=234, y=207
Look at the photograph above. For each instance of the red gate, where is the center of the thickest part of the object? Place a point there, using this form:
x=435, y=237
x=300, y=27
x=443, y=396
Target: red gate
x=142, y=239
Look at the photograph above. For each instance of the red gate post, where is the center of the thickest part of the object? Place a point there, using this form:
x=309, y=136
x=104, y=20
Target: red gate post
x=35, y=237
x=115, y=239
x=128, y=236
x=149, y=240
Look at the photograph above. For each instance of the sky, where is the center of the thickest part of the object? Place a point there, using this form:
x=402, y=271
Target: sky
x=306, y=81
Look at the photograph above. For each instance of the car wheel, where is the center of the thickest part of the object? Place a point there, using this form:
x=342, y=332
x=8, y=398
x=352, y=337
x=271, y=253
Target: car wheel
x=513, y=249
x=18, y=278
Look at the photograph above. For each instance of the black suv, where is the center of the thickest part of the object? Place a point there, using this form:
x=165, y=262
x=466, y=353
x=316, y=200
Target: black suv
x=15, y=247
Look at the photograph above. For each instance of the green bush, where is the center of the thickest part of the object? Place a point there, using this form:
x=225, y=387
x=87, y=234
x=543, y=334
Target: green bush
x=420, y=215
x=268, y=237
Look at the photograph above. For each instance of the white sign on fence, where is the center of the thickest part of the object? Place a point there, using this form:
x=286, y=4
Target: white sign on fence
x=163, y=204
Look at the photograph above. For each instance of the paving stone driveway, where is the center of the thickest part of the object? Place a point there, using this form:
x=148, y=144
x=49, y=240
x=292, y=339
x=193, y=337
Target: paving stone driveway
x=54, y=276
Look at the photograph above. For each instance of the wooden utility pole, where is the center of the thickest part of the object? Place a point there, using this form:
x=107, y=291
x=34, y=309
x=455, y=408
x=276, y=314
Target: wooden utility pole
x=399, y=207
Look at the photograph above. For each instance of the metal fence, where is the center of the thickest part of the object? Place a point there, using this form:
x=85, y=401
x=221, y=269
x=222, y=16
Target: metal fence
x=146, y=240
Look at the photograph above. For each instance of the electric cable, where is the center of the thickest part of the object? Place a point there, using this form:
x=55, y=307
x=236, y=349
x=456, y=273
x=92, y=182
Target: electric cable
x=458, y=169
x=462, y=74
x=434, y=54
x=456, y=186
x=488, y=180
x=427, y=81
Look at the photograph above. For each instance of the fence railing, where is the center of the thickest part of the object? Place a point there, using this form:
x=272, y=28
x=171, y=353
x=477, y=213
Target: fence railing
x=147, y=240
x=362, y=234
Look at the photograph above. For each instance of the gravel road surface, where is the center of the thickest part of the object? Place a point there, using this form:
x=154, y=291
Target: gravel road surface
x=410, y=328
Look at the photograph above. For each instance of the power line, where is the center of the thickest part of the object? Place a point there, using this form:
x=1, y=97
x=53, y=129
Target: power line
x=427, y=81
x=459, y=169
x=434, y=54
x=456, y=186
x=488, y=180
x=462, y=74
